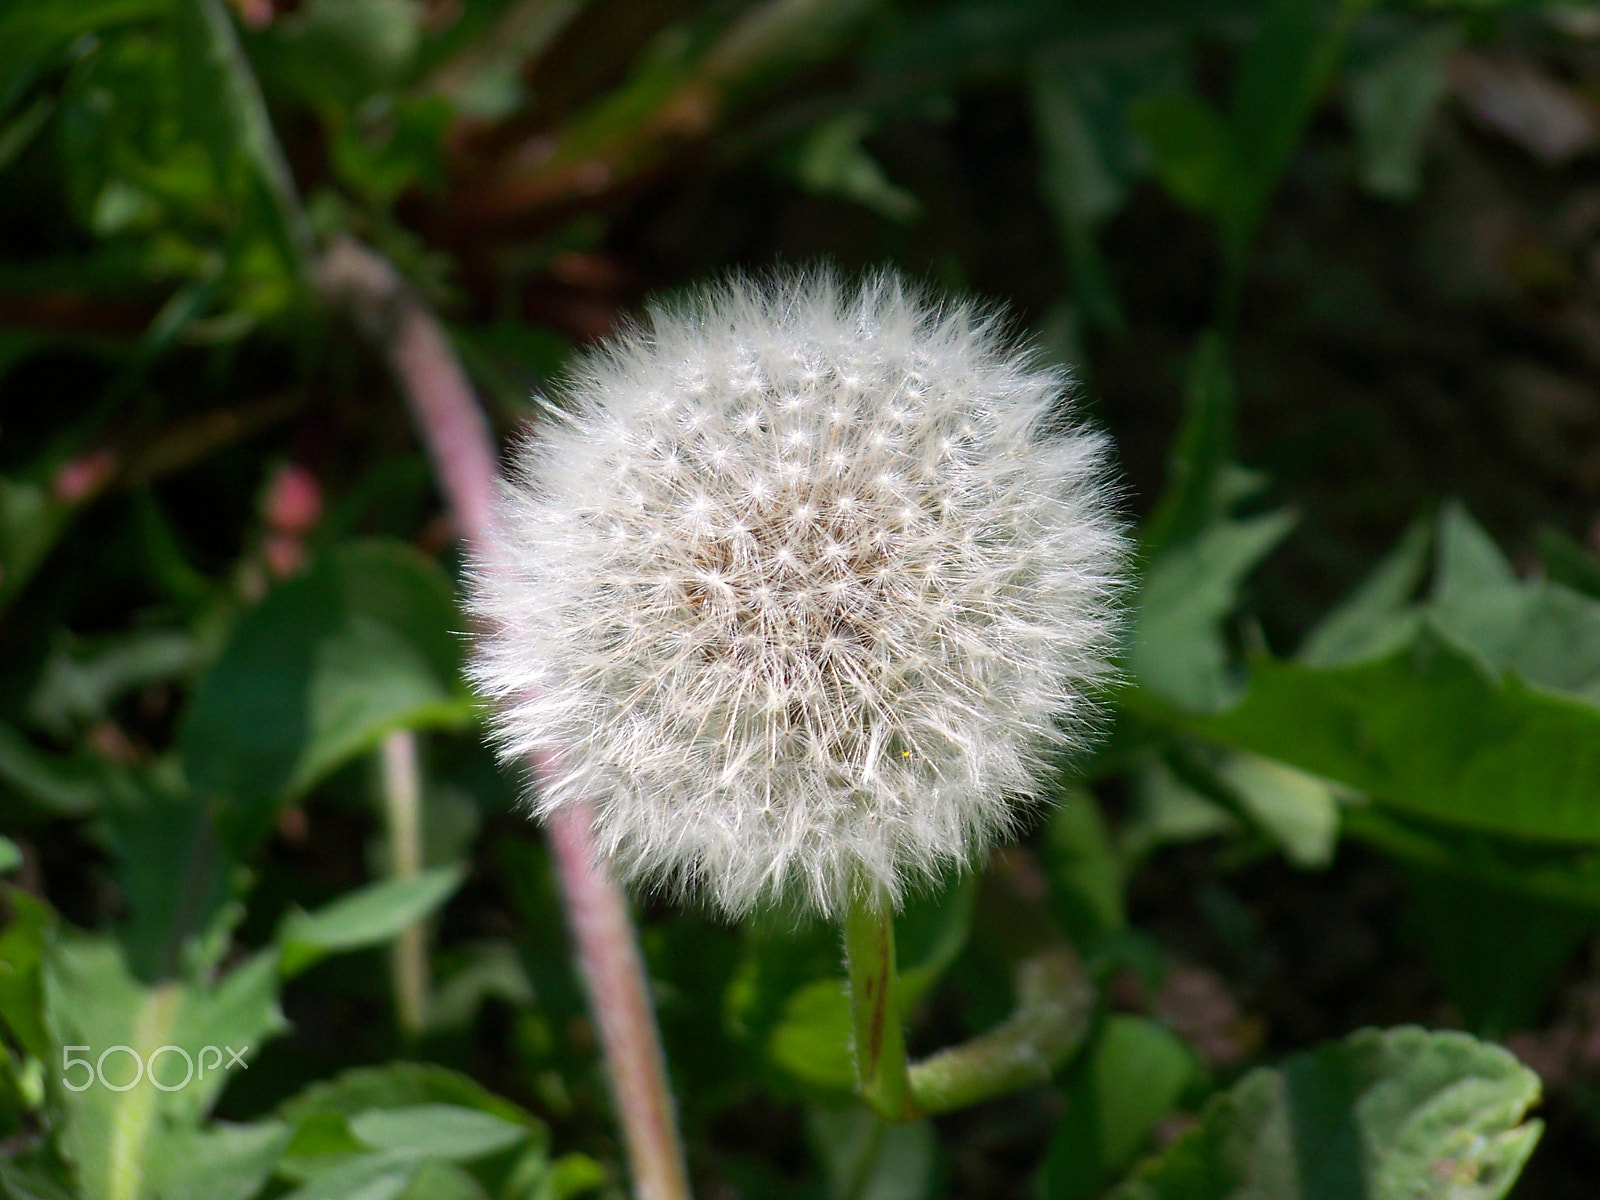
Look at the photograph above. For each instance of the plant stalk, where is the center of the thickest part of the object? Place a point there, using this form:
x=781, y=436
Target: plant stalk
x=880, y=1046
x=458, y=442
x=402, y=803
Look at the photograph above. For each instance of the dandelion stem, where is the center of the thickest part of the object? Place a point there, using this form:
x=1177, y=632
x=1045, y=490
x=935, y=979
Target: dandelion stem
x=1055, y=1002
x=458, y=442
x=879, y=1040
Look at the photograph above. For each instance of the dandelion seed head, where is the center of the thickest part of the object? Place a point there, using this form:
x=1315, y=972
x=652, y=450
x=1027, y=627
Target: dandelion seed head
x=811, y=587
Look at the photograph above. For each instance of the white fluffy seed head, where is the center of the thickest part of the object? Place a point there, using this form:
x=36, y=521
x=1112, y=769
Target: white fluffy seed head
x=806, y=590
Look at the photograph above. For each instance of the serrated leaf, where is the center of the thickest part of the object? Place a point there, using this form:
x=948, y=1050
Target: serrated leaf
x=324, y=668
x=1428, y=731
x=117, y=1138
x=1400, y=1114
x=1546, y=633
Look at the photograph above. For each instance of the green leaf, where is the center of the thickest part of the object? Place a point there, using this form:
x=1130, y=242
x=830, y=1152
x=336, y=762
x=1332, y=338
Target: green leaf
x=1132, y=1075
x=1569, y=563
x=1085, y=876
x=82, y=678
x=1089, y=154
x=332, y=661
x=22, y=948
x=221, y=1162
x=1201, y=475
x=865, y=1158
x=1178, y=646
x=1378, y=617
x=33, y=37
x=55, y=784
x=444, y=1131
x=1282, y=76
x=369, y=917
x=1192, y=147
x=1299, y=811
x=31, y=522
x=117, y=1140
x=397, y=1085
x=832, y=161
x=1499, y=954
x=1391, y=101
x=224, y=103
x=1400, y=1114
x=173, y=870
x=811, y=1040
x=1545, y=633
x=1428, y=731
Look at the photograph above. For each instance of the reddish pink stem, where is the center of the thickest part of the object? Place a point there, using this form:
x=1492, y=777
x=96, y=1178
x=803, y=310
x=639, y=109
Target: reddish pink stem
x=466, y=465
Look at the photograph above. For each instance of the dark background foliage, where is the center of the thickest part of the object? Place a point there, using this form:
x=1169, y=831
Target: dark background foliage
x=1330, y=275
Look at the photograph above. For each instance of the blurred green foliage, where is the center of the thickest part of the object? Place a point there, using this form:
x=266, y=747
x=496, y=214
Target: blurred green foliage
x=203, y=649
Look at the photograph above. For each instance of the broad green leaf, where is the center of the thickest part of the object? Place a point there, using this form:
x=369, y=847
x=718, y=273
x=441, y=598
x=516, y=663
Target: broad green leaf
x=866, y=1158
x=1132, y=1075
x=10, y=856
x=1178, y=645
x=1378, y=617
x=325, y=667
x=371, y=916
x=1391, y=101
x=811, y=1041
x=1428, y=731
x=1169, y=809
x=1569, y=563
x=1399, y=1114
x=1565, y=874
x=1498, y=953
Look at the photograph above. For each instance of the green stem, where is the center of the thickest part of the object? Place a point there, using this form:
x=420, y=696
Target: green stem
x=879, y=1041
x=402, y=799
x=1055, y=1002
